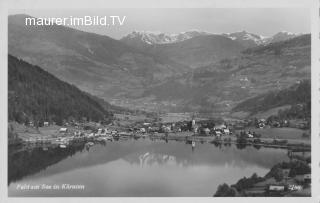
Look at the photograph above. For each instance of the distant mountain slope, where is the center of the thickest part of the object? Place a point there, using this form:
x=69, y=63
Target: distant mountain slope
x=246, y=39
x=250, y=40
x=36, y=95
x=95, y=63
x=199, y=51
x=221, y=86
x=281, y=36
x=196, y=48
x=143, y=38
x=298, y=94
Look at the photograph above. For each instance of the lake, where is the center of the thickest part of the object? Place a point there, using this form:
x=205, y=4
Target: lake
x=137, y=168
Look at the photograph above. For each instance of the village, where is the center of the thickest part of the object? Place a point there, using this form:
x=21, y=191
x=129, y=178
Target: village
x=258, y=132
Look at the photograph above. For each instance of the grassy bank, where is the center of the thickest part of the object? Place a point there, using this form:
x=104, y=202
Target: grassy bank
x=283, y=179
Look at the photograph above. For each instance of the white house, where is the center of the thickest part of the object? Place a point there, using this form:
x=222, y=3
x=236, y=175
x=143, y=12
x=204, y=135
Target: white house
x=206, y=131
x=226, y=131
x=142, y=130
x=276, y=188
x=167, y=129
x=218, y=133
x=63, y=130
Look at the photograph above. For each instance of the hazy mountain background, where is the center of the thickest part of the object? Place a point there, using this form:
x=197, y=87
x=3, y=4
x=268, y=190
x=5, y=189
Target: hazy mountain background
x=95, y=63
x=190, y=71
x=144, y=38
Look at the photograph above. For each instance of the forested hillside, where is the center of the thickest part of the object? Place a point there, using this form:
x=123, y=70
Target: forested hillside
x=36, y=95
x=298, y=96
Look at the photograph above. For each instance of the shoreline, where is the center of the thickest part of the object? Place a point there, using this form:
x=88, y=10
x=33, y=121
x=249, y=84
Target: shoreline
x=267, y=143
x=284, y=179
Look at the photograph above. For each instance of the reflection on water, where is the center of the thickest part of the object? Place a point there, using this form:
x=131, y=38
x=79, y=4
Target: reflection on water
x=23, y=162
x=137, y=168
x=151, y=159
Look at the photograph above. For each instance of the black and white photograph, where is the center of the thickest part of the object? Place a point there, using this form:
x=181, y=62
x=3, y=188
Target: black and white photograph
x=160, y=102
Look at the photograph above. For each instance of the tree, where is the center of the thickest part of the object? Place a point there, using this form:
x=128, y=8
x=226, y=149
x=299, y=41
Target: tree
x=305, y=135
x=224, y=191
x=278, y=175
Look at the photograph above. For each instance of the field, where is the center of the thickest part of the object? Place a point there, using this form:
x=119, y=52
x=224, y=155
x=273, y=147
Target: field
x=175, y=117
x=281, y=133
x=25, y=132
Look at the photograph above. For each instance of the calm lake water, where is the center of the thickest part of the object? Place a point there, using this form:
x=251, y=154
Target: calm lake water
x=136, y=168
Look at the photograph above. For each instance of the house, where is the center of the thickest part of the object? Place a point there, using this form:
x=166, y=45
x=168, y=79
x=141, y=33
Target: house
x=153, y=129
x=206, y=131
x=217, y=133
x=166, y=129
x=261, y=123
x=63, y=130
x=77, y=133
x=90, y=135
x=142, y=130
x=99, y=132
x=276, y=188
x=250, y=135
x=262, y=120
x=226, y=131
x=307, y=178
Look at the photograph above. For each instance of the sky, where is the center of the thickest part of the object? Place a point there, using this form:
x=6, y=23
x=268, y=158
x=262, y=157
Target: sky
x=262, y=21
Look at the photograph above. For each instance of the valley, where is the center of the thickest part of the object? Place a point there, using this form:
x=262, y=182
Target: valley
x=193, y=71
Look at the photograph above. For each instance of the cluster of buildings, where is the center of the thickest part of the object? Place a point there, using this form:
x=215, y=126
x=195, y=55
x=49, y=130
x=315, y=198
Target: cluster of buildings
x=204, y=128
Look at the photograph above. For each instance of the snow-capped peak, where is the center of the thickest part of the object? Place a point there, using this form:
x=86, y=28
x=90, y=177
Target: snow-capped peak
x=163, y=38
x=244, y=35
x=245, y=38
x=281, y=36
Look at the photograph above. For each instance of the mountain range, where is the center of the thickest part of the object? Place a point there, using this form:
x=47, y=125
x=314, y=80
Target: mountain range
x=143, y=38
x=247, y=39
x=190, y=71
x=197, y=48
